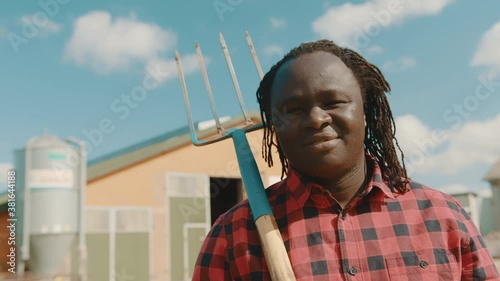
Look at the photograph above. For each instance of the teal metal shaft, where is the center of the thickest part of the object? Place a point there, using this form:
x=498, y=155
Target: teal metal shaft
x=256, y=192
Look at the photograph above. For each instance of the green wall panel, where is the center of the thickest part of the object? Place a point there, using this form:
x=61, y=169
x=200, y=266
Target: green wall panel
x=98, y=256
x=184, y=210
x=132, y=256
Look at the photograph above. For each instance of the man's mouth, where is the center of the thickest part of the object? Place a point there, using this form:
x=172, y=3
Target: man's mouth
x=321, y=142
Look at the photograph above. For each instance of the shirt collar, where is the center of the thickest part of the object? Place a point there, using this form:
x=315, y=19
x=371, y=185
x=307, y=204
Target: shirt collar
x=300, y=187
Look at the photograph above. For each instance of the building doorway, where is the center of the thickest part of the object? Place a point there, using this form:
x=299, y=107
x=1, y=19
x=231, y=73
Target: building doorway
x=224, y=194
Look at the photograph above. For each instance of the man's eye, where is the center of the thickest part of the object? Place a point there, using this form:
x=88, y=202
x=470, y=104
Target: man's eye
x=333, y=104
x=293, y=110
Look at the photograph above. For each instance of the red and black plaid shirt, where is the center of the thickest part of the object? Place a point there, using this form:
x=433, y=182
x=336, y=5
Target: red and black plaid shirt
x=384, y=235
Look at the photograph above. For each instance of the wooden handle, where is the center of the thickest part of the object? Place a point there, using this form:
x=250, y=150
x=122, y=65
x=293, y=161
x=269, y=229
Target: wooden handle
x=272, y=244
x=274, y=249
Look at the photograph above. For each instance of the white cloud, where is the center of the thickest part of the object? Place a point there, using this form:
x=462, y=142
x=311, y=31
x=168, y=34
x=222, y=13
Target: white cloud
x=409, y=129
x=166, y=69
x=475, y=142
x=44, y=26
x=354, y=24
x=277, y=23
x=450, y=151
x=488, y=50
x=273, y=50
x=107, y=44
x=401, y=64
x=375, y=50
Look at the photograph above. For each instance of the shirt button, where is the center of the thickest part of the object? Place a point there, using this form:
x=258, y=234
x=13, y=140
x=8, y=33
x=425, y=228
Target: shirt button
x=424, y=264
x=353, y=271
x=344, y=216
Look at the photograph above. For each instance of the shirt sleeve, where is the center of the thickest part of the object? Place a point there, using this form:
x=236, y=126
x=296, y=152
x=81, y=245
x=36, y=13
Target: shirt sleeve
x=212, y=263
x=477, y=263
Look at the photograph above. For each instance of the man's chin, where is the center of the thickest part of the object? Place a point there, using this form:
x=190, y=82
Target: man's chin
x=322, y=168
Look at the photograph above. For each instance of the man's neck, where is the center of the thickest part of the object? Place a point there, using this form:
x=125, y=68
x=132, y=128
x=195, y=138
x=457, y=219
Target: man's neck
x=344, y=188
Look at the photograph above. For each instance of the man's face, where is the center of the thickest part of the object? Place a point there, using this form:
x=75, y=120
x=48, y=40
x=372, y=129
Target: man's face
x=318, y=115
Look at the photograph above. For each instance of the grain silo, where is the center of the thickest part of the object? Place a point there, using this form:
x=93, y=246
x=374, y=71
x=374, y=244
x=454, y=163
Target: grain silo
x=51, y=180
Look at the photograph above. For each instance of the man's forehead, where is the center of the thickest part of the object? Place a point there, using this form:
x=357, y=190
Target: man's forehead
x=312, y=64
x=318, y=67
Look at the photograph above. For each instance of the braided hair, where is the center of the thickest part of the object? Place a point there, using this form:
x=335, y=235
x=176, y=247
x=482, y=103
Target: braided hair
x=380, y=141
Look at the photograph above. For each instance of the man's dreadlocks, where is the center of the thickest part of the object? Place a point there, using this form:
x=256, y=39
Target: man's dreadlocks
x=380, y=130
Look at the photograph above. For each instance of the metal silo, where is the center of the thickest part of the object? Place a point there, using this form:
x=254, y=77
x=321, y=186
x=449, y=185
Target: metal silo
x=50, y=193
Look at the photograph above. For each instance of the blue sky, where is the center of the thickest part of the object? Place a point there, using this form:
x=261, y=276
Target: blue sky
x=69, y=66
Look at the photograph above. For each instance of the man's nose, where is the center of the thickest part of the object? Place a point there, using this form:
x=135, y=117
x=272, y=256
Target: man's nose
x=318, y=118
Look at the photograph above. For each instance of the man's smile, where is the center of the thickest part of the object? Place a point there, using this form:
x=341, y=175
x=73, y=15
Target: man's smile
x=320, y=142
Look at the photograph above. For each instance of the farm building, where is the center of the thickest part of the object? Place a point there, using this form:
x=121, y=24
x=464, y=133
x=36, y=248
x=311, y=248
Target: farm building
x=150, y=205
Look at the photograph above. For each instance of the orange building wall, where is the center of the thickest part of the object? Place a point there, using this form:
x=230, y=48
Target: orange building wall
x=132, y=186
x=144, y=184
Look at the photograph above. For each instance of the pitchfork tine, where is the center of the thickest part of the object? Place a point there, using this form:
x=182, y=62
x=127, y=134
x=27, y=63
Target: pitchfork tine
x=185, y=94
x=209, y=89
x=254, y=55
x=274, y=250
x=235, y=80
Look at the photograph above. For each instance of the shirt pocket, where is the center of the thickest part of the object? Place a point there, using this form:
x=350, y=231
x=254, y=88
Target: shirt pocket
x=432, y=265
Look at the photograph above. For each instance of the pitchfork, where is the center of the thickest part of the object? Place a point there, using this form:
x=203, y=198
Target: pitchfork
x=270, y=237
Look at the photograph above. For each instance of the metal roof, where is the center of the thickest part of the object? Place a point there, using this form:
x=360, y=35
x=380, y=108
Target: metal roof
x=153, y=147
